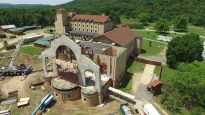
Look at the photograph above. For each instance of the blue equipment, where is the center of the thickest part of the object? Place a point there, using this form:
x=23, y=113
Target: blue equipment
x=45, y=102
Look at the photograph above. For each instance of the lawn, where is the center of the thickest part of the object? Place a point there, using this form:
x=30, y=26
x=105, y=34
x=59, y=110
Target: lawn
x=156, y=47
x=31, y=50
x=132, y=67
x=197, y=30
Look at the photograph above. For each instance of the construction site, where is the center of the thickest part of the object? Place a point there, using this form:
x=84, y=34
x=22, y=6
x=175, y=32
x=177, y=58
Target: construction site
x=76, y=74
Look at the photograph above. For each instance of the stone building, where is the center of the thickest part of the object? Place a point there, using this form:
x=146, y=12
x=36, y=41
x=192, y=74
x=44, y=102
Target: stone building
x=81, y=26
x=99, y=29
x=83, y=70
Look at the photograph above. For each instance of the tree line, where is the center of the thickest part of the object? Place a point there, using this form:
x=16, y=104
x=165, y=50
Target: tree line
x=145, y=10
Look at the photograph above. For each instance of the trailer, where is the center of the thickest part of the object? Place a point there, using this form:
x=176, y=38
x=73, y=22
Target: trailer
x=149, y=109
x=44, y=103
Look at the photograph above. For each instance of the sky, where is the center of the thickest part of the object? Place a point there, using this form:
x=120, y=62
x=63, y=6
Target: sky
x=51, y=2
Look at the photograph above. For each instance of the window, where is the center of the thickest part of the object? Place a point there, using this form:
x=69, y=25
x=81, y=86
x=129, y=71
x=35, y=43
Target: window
x=87, y=30
x=91, y=26
x=79, y=24
x=79, y=29
x=91, y=30
x=95, y=31
x=87, y=25
x=83, y=29
x=84, y=99
x=95, y=26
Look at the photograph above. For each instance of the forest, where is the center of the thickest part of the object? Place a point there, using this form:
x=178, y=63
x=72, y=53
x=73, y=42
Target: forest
x=194, y=10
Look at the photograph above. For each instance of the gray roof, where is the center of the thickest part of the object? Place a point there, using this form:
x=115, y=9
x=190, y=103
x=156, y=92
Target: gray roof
x=29, y=27
x=16, y=29
x=8, y=26
x=82, y=33
x=96, y=47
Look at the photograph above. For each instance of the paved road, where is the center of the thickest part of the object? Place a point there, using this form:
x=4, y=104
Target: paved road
x=142, y=96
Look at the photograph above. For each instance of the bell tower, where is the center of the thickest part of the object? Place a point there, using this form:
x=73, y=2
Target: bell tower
x=62, y=23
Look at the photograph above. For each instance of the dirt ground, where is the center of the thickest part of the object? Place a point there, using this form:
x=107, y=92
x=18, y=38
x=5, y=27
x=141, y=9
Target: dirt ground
x=58, y=108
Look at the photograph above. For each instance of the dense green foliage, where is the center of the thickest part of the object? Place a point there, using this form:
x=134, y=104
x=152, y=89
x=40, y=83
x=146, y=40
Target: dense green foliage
x=186, y=48
x=184, y=88
x=27, y=16
x=180, y=23
x=151, y=9
x=162, y=26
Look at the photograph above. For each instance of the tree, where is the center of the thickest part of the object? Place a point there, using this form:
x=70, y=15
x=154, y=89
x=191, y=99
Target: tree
x=143, y=18
x=162, y=26
x=198, y=21
x=184, y=88
x=180, y=23
x=186, y=48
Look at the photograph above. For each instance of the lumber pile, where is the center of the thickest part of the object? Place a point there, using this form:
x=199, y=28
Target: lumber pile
x=5, y=112
x=11, y=99
x=23, y=102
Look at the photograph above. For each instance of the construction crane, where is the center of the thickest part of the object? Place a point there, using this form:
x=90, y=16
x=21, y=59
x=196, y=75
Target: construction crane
x=20, y=43
x=12, y=69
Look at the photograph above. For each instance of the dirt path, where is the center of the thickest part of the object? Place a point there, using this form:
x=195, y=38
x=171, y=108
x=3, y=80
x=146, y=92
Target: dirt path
x=16, y=83
x=136, y=81
x=142, y=96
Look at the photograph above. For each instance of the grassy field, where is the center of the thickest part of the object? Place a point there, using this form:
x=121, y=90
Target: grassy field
x=197, y=30
x=132, y=67
x=31, y=50
x=156, y=47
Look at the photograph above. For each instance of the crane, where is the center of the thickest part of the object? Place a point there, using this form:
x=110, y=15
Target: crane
x=20, y=43
x=12, y=69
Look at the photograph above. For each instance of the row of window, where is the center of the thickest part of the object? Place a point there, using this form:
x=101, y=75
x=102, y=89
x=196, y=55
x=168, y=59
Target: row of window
x=84, y=25
x=87, y=30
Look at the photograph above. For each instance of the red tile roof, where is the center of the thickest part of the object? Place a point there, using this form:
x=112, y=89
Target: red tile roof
x=94, y=18
x=155, y=83
x=121, y=35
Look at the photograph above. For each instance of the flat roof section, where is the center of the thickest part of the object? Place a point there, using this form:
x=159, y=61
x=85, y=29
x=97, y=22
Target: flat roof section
x=82, y=33
x=96, y=47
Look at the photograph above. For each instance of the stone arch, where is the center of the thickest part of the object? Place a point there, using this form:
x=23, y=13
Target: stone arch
x=87, y=64
x=64, y=41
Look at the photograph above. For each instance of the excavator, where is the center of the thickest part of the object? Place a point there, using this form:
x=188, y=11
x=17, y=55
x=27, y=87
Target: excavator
x=15, y=69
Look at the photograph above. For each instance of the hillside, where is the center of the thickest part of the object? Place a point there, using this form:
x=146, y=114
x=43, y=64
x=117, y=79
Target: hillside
x=5, y=5
x=132, y=8
x=155, y=9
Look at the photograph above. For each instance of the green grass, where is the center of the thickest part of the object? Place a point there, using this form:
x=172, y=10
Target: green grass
x=155, y=49
x=197, y=30
x=128, y=21
x=31, y=50
x=132, y=67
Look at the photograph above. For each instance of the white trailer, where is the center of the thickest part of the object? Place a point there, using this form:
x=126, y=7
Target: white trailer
x=149, y=109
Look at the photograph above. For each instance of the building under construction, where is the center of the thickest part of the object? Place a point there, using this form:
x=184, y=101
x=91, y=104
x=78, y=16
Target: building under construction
x=83, y=69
